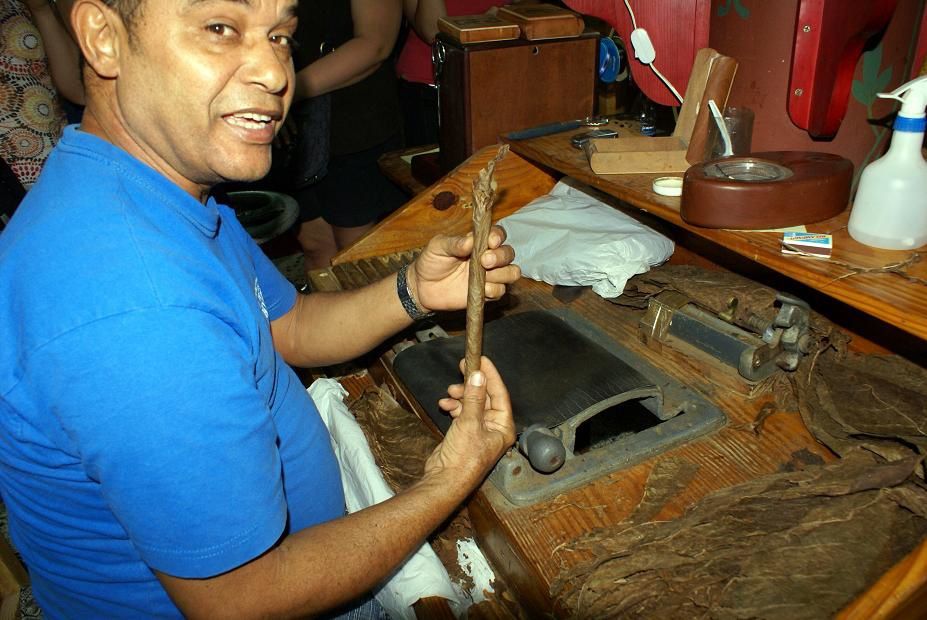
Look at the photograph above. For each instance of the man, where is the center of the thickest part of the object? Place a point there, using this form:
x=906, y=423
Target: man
x=159, y=457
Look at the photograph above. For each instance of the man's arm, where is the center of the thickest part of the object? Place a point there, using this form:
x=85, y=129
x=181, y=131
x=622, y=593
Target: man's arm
x=324, y=566
x=327, y=328
x=376, y=26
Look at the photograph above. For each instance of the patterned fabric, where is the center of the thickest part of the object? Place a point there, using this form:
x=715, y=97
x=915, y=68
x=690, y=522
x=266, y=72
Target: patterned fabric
x=31, y=119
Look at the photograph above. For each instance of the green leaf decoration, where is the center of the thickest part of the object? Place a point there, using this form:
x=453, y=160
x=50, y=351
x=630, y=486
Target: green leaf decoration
x=742, y=11
x=873, y=80
x=884, y=78
x=739, y=8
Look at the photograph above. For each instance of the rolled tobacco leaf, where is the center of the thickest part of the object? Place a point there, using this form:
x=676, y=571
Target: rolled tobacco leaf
x=484, y=195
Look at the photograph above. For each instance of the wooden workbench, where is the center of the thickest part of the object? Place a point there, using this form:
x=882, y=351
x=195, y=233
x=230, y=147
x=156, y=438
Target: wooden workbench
x=883, y=306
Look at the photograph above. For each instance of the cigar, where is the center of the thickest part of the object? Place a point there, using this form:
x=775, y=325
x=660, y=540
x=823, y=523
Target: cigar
x=484, y=195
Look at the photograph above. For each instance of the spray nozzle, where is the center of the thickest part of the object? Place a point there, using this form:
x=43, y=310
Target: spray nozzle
x=912, y=95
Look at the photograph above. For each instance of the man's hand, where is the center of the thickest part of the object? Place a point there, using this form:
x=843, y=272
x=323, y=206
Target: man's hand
x=482, y=430
x=306, y=573
x=438, y=277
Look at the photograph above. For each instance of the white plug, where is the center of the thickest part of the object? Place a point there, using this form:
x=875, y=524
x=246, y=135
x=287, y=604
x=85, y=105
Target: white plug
x=643, y=47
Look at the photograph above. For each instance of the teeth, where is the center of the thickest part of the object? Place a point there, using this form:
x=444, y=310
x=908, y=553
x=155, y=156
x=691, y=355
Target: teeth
x=256, y=117
x=249, y=120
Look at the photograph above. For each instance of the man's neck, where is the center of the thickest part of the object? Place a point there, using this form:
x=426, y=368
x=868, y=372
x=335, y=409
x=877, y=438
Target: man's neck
x=102, y=119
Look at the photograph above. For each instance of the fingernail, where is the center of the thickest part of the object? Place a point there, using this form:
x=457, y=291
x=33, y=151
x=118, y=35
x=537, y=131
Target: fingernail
x=477, y=378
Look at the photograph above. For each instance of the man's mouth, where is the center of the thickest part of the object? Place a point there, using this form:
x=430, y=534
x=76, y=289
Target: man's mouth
x=249, y=120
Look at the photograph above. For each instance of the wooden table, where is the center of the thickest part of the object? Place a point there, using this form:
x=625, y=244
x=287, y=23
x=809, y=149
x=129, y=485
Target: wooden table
x=884, y=310
x=396, y=167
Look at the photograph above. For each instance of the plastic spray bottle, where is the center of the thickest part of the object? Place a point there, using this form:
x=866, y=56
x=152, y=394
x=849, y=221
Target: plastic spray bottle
x=890, y=209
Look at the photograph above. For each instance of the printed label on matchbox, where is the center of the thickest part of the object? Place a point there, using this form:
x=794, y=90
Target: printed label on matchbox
x=807, y=244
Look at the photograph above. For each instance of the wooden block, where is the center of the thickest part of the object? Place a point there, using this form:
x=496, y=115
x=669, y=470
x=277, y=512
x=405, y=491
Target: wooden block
x=543, y=21
x=478, y=28
x=637, y=155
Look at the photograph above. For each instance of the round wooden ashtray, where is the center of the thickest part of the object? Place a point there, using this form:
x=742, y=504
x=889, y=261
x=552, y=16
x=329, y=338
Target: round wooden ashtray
x=775, y=189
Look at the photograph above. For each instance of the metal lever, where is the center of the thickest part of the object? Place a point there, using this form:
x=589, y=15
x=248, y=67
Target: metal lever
x=787, y=337
x=543, y=449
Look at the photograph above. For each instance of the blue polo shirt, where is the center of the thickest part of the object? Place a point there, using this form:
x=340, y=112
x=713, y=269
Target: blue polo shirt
x=146, y=421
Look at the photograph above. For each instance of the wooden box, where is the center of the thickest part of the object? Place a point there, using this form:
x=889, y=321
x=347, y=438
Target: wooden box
x=543, y=21
x=478, y=28
x=487, y=89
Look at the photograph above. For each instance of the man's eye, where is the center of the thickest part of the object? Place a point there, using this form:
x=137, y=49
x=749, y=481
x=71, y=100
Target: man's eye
x=222, y=30
x=284, y=41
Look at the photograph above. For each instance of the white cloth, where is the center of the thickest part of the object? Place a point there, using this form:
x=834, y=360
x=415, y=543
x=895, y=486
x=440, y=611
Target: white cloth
x=422, y=575
x=572, y=238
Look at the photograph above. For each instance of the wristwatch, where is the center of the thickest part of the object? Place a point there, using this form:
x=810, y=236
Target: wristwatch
x=415, y=312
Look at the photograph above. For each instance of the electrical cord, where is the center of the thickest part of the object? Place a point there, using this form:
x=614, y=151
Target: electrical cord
x=645, y=52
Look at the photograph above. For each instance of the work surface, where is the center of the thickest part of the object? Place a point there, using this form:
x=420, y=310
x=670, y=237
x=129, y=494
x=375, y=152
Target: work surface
x=533, y=536
x=530, y=545
x=525, y=543
x=890, y=286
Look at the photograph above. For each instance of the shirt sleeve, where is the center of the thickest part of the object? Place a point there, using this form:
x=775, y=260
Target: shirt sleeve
x=167, y=420
x=279, y=293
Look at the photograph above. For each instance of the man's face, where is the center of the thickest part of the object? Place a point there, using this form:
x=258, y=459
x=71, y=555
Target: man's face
x=204, y=85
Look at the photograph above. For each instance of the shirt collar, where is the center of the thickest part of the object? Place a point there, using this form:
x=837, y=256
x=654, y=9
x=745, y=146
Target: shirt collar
x=204, y=216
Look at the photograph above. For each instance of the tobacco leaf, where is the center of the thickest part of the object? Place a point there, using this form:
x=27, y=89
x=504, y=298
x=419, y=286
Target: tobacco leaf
x=792, y=545
x=877, y=401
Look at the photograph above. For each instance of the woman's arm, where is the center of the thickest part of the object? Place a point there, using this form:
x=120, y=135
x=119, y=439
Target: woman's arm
x=60, y=48
x=376, y=26
x=424, y=16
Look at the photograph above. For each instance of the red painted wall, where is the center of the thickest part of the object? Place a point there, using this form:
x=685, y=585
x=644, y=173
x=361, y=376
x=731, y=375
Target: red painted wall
x=759, y=34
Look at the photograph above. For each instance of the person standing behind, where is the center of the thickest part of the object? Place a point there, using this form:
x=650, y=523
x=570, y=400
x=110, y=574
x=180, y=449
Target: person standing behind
x=37, y=57
x=52, y=18
x=417, y=93
x=31, y=120
x=344, y=50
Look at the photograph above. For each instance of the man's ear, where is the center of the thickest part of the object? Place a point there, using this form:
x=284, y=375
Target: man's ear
x=101, y=35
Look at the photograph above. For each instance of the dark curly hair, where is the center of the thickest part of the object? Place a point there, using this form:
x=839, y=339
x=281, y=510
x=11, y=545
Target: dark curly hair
x=128, y=10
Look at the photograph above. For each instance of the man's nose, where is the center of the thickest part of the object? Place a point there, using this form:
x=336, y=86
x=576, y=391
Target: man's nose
x=266, y=66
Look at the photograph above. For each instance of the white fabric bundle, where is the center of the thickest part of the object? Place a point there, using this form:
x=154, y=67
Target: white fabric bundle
x=422, y=575
x=572, y=238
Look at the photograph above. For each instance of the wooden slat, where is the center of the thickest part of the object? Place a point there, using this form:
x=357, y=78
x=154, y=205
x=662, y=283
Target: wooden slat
x=418, y=221
x=901, y=593
x=13, y=575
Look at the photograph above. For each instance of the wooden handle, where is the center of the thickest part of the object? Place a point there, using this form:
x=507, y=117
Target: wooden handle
x=718, y=88
x=698, y=81
x=483, y=197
